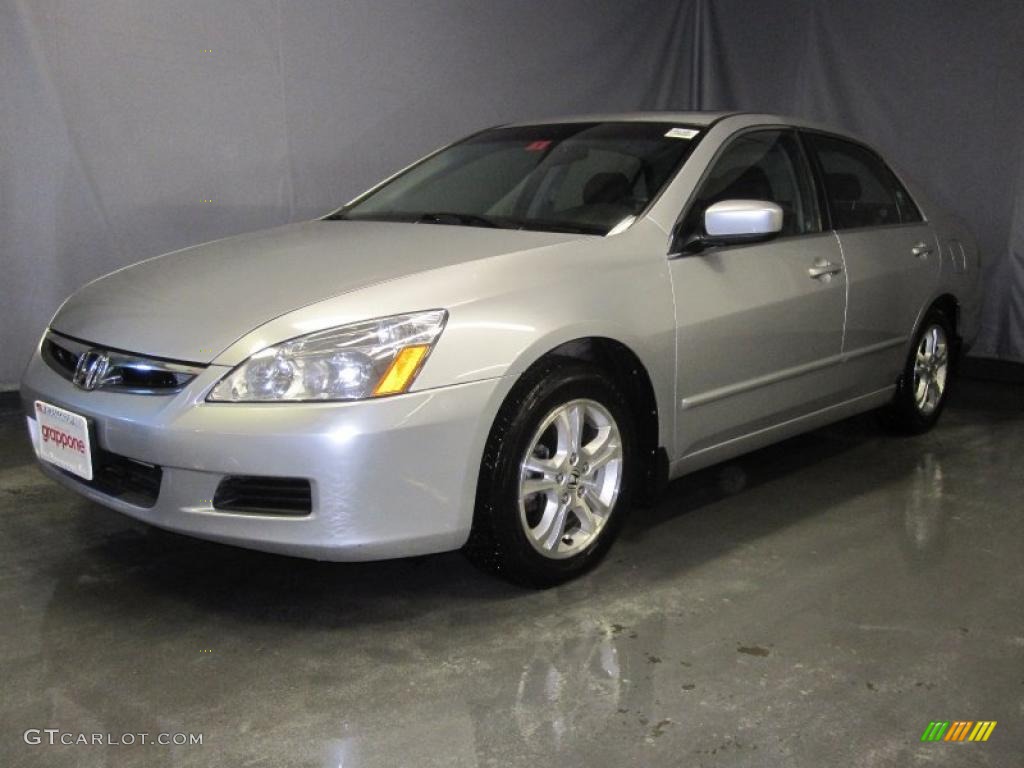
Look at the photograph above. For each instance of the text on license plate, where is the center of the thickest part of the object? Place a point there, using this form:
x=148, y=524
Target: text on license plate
x=63, y=439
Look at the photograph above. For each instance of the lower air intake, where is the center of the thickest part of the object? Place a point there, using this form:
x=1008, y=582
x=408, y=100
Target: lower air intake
x=264, y=495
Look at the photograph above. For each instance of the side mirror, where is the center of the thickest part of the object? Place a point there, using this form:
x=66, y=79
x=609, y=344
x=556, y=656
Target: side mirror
x=743, y=218
x=737, y=222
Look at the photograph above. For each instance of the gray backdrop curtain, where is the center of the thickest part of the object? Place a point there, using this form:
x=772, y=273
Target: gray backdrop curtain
x=133, y=127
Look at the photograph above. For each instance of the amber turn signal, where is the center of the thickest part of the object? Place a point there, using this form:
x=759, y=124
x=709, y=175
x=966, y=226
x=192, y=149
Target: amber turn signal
x=402, y=371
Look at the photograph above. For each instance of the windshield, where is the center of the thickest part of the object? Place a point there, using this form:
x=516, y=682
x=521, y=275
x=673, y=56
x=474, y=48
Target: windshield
x=570, y=177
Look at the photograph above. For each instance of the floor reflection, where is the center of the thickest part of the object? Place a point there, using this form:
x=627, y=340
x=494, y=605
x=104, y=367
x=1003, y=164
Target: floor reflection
x=924, y=511
x=839, y=572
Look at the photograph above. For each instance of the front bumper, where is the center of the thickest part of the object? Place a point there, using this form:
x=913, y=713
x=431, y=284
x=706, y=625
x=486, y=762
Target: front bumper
x=392, y=477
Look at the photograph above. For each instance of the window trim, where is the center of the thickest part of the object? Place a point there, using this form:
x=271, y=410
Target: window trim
x=819, y=181
x=820, y=174
x=817, y=190
x=702, y=133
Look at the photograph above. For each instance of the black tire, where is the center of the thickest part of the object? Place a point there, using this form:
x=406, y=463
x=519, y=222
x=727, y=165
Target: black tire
x=498, y=542
x=903, y=415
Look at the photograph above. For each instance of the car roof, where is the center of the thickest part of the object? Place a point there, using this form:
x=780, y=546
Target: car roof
x=699, y=119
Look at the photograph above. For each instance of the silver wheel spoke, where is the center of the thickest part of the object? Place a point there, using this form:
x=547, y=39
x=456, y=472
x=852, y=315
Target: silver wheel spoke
x=569, y=425
x=538, y=485
x=545, y=467
x=596, y=507
x=586, y=516
x=556, y=527
x=921, y=387
x=600, y=450
x=574, y=426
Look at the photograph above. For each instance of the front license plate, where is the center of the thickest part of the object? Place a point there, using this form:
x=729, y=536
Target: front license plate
x=63, y=439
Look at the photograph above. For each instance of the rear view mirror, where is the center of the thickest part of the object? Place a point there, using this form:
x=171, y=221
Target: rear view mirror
x=736, y=222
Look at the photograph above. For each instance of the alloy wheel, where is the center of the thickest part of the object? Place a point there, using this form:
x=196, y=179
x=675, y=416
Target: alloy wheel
x=570, y=477
x=931, y=369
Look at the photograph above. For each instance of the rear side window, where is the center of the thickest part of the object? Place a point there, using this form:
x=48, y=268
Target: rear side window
x=861, y=190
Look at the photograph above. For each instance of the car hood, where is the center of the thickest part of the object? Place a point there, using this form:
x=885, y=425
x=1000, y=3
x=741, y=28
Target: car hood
x=191, y=304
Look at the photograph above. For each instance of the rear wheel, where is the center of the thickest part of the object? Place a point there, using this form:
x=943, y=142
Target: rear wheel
x=555, y=477
x=924, y=385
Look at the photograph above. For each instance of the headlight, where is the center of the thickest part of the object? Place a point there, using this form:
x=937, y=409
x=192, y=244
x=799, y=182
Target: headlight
x=368, y=359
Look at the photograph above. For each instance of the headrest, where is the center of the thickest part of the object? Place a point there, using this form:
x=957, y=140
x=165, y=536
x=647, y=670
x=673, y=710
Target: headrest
x=607, y=187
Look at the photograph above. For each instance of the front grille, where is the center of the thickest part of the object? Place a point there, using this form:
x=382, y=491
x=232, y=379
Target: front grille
x=63, y=360
x=134, y=482
x=124, y=371
x=264, y=495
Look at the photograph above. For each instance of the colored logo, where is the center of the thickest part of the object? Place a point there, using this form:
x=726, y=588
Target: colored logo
x=958, y=730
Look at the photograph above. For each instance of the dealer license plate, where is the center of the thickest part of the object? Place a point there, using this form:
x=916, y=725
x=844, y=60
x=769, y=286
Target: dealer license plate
x=62, y=438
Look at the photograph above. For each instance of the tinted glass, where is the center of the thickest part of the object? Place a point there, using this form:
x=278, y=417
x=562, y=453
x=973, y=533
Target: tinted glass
x=861, y=190
x=575, y=177
x=762, y=165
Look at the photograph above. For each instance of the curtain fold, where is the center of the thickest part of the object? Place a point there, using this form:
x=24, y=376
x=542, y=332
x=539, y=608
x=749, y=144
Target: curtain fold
x=938, y=87
x=129, y=130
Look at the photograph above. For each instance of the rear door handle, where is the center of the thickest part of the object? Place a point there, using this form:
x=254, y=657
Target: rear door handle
x=823, y=270
x=921, y=250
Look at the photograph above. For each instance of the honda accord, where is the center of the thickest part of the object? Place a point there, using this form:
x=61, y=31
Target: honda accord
x=503, y=346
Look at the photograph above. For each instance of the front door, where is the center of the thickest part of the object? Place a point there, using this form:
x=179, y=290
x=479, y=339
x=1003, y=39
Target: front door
x=759, y=327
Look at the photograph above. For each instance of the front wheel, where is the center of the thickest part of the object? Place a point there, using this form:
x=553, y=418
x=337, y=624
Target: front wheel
x=924, y=385
x=555, y=477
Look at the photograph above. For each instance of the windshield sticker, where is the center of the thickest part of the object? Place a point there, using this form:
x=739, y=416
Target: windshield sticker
x=538, y=146
x=681, y=133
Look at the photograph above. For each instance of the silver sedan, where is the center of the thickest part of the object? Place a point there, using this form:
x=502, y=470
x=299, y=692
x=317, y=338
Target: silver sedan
x=502, y=346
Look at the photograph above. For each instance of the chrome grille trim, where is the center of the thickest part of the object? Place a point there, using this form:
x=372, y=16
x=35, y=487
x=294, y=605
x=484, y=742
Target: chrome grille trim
x=127, y=372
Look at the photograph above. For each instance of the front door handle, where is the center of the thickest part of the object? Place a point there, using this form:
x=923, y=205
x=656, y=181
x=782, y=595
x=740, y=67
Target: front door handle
x=823, y=270
x=921, y=250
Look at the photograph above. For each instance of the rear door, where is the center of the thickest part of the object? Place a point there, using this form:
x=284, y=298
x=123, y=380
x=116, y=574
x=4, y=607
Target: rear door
x=891, y=257
x=759, y=327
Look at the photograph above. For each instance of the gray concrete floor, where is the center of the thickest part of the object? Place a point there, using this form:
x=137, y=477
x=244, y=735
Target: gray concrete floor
x=813, y=604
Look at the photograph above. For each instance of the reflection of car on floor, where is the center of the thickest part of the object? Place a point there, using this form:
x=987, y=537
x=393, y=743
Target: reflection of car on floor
x=502, y=344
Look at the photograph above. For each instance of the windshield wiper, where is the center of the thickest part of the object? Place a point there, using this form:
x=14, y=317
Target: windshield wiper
x=475, y=220
x=538, y=225
x=467, y=219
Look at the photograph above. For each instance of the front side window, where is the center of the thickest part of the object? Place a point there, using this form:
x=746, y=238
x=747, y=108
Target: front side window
x=861, y=190
x=570, y=177
x=760, y=165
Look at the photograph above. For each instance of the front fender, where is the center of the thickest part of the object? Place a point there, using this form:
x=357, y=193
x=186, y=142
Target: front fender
x=507, y=311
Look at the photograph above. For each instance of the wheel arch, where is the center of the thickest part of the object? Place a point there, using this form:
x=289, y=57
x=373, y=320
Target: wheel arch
x=947, y=303
x=625, y=367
